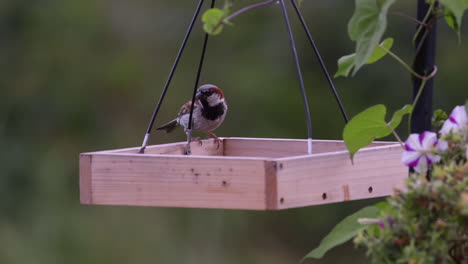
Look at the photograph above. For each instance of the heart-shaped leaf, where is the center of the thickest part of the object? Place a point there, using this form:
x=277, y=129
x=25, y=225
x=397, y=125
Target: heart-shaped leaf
x=454, y=10
x=369, y=125
x=343, y=231
x=452, y=21
x=398, y=116
x=212, y=21
x=367, y=26
x=346, y=63
x=365, y=127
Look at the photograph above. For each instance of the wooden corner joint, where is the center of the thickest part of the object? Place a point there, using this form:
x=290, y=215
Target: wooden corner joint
x=271, y=185
x=346, y=196
x=86, y=195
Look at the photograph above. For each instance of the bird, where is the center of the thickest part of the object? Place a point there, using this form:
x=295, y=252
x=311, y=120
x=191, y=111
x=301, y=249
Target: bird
x=208, y=113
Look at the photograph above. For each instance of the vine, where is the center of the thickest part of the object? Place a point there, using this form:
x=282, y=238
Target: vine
x=429, y=222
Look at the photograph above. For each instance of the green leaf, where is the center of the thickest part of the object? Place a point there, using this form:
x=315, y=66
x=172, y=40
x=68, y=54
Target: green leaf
x=365, y=127
x=343, y=231
x=367, y=26
x=346, y=63
x=212, y=21
x=452, y=21
x=382, y=206
x=455, y=10
x=380, y=50
x=398, y=116
x=438, y=118
x=369, y=125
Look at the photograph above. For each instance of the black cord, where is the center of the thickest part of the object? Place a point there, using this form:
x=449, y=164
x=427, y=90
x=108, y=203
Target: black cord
x=299, y=73
x=197, y=80
x=319, y=58
x=171, y=74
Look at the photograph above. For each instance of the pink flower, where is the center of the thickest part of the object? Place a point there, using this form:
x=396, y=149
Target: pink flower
x=457, y=121
x=419, y=151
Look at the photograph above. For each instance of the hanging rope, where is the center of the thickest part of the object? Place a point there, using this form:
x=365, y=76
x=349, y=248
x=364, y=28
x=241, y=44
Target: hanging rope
x=319, y=58
x=171, y=74
x=197, y=80
x=200, y=66
x=299, y=76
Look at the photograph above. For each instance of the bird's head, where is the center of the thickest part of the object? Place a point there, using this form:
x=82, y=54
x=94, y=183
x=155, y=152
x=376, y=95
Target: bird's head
x=210, y=93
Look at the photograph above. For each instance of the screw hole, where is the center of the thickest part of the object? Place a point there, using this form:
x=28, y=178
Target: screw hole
x=370, y=189
x=281, y=165
x=224, y=183
x=282, y=200
x=324, y=196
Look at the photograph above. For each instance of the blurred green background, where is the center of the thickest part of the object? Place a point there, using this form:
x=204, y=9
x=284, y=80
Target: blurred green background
x=78, y=76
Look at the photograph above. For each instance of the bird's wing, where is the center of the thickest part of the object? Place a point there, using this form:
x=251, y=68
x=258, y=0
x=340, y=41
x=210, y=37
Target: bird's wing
x=185, y=109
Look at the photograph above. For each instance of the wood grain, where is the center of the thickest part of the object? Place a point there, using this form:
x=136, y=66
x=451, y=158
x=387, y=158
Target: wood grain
x=279, y=148
x=208, y=147
x=254, y=174
x=178, y=181
x=319, y=179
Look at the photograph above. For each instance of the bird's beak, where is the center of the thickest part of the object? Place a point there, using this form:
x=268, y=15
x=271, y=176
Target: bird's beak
x=198, y=95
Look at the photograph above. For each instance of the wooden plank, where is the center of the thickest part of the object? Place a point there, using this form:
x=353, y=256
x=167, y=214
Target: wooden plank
x=245, y=147
x=85, y=179
x=208, y=147
x=279, y=148
x=163, y=177
x=328, y=178
x=178, y=181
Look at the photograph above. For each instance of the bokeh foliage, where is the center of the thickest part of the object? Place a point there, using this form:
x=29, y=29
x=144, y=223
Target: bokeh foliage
x=84, y=75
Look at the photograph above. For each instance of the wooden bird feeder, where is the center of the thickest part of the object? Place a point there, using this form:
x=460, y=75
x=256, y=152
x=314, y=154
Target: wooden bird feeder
x=241, y=173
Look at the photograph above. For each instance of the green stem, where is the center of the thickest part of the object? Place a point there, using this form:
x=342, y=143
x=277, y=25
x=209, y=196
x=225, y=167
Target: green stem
x=396, y=136
x=404, y=64
x=424, y=22
x=421, y=88
x=418, y=95
x=241, y=11
x=408, y=17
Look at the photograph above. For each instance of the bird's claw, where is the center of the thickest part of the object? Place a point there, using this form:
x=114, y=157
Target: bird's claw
x=187, y=146
x=216, y=139
x=198, y=139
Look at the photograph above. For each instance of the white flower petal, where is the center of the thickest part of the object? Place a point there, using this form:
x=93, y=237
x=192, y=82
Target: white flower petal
x=410, y=157
x=442, y=145
x=457, y=121
x=429, y=139
x=459, y=114
x=449, y=126
x=412, y=143
x=433, y=158
x=421, y=167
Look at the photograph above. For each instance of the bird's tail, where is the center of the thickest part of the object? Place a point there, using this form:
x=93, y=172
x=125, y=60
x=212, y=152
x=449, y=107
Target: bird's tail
x=169, y=126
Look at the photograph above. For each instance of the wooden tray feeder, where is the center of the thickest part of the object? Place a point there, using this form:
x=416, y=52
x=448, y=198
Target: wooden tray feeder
x=241, y=173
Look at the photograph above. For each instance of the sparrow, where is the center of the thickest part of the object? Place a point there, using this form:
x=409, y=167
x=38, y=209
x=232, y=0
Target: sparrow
x=208, y=113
